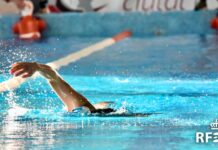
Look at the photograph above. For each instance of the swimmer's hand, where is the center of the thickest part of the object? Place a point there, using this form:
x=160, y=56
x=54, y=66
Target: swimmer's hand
x=24, y=69
x=27, y=69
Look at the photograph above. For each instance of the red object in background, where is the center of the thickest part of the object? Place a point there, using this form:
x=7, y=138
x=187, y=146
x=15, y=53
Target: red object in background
x=214, y=23
x=53, y=9
x=29, y=27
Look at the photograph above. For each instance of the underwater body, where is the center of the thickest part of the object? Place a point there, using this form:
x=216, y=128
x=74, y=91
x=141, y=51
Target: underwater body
x=173, y=79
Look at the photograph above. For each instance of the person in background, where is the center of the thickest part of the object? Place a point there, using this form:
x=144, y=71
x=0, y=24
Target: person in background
x=40, y=6
x=201, y=5
x=29, y=26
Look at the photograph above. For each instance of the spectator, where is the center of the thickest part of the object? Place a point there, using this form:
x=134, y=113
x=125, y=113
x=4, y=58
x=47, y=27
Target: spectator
x=201, y=5
x=39, y=5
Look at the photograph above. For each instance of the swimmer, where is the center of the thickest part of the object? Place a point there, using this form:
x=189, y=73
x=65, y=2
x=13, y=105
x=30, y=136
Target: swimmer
x=70, y=97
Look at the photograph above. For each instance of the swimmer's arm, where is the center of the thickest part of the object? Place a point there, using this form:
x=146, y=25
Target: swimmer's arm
x=71, y=98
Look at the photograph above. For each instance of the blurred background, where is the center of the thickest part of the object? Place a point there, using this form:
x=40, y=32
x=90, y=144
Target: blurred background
x=12, y=6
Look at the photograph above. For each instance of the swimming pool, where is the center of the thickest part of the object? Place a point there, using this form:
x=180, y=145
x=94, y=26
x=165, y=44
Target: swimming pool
x=174, y=77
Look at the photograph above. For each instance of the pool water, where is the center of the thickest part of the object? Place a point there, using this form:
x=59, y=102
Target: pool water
x=173, y=77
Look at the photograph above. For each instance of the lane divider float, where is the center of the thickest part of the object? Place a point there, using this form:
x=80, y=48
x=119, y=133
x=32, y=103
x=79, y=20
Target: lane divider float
x=15, y=82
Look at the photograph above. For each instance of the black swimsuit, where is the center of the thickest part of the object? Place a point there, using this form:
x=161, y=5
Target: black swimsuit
x=103, y=111
x=96, y=111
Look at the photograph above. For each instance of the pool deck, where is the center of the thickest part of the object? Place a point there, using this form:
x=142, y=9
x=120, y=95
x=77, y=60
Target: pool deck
x=103, y=25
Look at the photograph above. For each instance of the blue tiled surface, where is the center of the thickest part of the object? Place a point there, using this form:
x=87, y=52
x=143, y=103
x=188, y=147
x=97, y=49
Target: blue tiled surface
x=101, y=25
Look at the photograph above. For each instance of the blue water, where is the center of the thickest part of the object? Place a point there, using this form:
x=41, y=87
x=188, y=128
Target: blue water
x=174, y=77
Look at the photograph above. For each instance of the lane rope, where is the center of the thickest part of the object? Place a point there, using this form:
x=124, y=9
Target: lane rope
x=15, y=82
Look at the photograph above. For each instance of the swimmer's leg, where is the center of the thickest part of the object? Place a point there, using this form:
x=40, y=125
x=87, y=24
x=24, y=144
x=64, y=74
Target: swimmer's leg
x=71, y=98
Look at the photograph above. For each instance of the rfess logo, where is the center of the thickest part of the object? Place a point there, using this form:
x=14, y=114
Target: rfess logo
x=206, y=137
